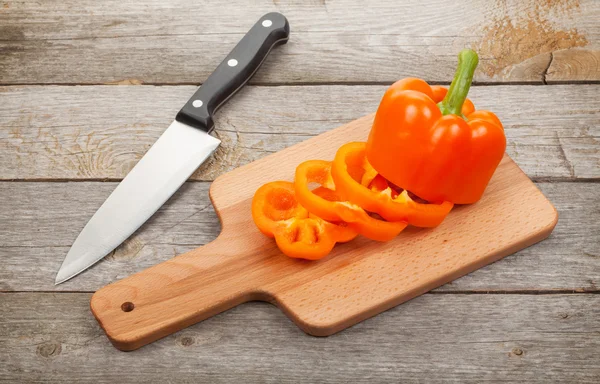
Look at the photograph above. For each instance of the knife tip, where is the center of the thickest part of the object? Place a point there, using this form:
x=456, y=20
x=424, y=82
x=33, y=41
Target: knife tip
x=60, y=278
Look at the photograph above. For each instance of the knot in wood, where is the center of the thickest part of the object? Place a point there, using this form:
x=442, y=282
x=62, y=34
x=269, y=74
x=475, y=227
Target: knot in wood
x=49, y=349
x=517, y=351
x=186, y=341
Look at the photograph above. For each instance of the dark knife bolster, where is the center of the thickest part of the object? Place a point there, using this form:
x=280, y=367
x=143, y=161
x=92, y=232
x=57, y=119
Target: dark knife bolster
x=238, y=67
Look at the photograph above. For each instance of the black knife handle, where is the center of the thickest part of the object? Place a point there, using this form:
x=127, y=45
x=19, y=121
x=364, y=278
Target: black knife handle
x=238, y=67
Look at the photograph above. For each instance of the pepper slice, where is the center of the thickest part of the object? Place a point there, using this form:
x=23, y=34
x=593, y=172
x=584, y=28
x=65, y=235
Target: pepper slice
x=353, y=177
x=304, y=239
x=327, y=203
x=341, y=231
x=297, y=233
x=273, y=203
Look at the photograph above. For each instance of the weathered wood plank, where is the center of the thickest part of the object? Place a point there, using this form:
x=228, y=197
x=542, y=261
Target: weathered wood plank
x=332, y=41
x=40, y=221
x=100, y=132
x=574, y=64
x=433, y=338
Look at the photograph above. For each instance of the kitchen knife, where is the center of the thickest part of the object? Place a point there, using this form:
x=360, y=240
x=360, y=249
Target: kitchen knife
x=175, y=155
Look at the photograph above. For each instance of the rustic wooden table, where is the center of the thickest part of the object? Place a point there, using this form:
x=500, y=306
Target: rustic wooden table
x=532, y=317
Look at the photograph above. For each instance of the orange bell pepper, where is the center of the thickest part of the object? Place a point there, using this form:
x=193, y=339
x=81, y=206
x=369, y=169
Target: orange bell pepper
x=327, y=204
x=354, y=180
x=298, y=234
x=441, y=152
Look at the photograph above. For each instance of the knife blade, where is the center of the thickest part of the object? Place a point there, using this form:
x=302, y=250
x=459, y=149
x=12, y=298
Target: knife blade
x=177, y=153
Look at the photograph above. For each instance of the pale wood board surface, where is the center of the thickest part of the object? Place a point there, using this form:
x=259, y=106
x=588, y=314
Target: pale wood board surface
x=150, y=41
x=356, y=281
x=552, y=132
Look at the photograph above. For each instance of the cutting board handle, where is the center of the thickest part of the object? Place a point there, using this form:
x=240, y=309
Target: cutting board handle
x=180, y=292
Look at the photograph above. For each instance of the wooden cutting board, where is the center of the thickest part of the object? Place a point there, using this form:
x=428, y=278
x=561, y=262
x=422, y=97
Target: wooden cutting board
x=358, y=280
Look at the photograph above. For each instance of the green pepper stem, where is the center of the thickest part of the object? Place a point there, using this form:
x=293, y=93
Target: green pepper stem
x=453, y=102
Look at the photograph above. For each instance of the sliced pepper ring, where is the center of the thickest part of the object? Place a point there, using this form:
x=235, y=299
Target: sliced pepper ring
x=326, y=203
x=273, y=203
x=353, y=177
x=277, y=213
x=340, y=231
x=304, y=239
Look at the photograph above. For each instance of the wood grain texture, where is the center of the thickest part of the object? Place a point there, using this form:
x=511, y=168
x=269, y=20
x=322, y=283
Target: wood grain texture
x=148, y=41
x=433, y=339
x=43, y=219
x=574, y=64
x=100, y=132
x=356, y=281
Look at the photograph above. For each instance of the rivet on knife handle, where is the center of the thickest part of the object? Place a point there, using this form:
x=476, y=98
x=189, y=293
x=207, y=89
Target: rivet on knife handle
x=238, y=67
